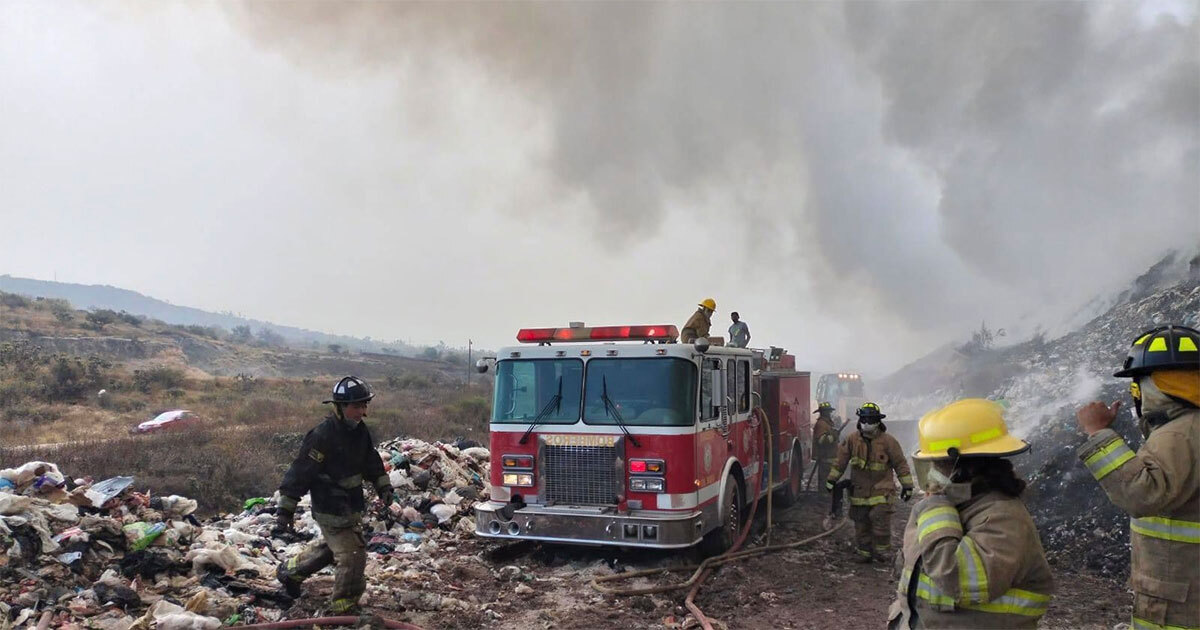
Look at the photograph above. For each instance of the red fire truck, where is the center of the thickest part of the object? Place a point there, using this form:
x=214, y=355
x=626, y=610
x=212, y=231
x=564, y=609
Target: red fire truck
x=618, y=435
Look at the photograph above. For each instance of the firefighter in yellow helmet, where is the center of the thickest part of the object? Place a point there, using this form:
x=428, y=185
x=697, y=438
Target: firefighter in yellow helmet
x=698, y=324
x=1159, y=486
x=972, y=557
x=872, y=455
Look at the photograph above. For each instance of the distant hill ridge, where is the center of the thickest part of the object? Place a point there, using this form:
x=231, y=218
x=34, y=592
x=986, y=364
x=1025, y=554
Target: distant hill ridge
x=92, y=296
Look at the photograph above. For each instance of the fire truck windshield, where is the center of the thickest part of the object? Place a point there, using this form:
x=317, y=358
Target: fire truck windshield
x=645, y=391
x=525, y=386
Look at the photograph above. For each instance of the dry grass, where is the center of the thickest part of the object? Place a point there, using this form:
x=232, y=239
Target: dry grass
x=251, y=427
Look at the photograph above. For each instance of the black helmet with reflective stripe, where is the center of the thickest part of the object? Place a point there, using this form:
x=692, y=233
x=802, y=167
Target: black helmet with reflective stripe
x=1163, y=348
x=824, y=408
x=870, y=412
x=351, y=389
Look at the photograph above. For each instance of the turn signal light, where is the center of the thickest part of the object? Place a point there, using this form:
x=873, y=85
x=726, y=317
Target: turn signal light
x=652, y=466
x=521, y=462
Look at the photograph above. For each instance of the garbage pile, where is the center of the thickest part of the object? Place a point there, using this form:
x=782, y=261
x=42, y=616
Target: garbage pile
x=82, y=553
x=1043, y=382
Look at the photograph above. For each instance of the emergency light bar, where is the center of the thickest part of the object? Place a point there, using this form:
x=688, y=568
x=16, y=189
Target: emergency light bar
x=660, y=333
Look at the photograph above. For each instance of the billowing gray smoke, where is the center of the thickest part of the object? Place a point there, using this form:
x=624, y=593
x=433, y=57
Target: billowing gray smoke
x=944, y=158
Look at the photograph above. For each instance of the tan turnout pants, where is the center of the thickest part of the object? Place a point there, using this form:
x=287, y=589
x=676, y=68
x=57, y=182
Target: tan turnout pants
x=345, y=548
x=872, y=529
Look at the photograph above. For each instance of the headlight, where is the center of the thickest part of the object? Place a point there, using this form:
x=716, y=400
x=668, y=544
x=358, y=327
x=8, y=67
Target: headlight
x=647, y=484
x=518, y=479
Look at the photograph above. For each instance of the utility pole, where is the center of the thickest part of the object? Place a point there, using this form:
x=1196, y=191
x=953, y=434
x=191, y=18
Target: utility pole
x=469, y=364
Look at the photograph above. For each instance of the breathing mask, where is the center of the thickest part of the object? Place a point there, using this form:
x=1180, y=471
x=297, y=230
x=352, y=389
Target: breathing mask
x=870, y=430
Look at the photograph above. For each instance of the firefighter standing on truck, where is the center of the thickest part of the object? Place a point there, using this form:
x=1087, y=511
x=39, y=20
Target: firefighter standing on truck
x=699, y=323
x=872, y=455
x=1159, y=486
x=824, y=441
x=334, y=460
x=972, y=557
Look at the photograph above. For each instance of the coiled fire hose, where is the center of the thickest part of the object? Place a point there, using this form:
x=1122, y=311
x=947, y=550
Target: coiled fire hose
x=701, y=571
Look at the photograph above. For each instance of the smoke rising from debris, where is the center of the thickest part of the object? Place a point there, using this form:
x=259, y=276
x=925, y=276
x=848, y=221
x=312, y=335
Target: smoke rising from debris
x=937, y=156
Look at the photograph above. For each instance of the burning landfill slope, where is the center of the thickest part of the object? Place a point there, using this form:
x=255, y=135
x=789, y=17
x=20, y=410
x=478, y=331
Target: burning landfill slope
x=1043, y=383
x=104, y=555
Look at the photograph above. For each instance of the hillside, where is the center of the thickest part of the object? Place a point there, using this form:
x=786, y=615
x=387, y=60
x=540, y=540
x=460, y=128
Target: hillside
x=91, y=296
x=1043, y=381
x=54, y=360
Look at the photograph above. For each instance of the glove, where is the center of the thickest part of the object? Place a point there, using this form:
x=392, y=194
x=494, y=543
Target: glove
x=386, y=496
x=906, y=494
x=284, y=522
x=828, y=486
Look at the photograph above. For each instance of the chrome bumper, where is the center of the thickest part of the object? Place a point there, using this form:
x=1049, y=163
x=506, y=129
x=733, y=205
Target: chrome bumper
x=593, y=526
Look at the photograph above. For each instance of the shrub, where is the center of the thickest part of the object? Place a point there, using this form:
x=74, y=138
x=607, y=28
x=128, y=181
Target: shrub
x=100, y=318
x=156, y=378
x=12, y=300
x=130, y=318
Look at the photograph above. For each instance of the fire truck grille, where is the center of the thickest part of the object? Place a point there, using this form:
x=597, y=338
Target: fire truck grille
x=580, y=475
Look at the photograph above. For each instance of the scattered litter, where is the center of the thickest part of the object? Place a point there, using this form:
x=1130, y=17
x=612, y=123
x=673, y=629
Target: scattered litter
x=105, y=556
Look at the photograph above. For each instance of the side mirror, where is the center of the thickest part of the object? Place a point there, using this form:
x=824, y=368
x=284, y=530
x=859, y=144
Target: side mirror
x=701, y=344
x=481, y=366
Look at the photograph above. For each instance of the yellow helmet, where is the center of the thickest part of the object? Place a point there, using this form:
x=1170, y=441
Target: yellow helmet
x=709, y=304
x=973, y=426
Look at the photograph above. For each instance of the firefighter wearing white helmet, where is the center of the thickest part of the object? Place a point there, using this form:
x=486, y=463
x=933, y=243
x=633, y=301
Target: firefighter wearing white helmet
x=872, y=456
x=972, y=557
x=699, y=323
x=1159, y=485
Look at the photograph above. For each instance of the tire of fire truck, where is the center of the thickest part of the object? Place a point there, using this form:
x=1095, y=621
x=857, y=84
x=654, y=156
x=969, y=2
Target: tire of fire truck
x=732, y=510
x=790, y=492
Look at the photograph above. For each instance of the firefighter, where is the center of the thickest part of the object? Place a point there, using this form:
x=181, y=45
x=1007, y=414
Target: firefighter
x=1159, y=486
x=336, y=457
x=972, y=557
x=739, y=332
x=698, y=324
x=824, y=440
x=872, y=455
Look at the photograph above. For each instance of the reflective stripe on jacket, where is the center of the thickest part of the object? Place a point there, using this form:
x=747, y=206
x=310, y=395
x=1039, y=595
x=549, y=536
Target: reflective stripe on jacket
x=1159, y=486
x=981, y=564
x=871, y=464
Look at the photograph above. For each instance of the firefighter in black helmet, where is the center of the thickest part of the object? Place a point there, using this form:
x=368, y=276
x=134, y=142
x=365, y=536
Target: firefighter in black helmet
x=1159, y=484
x=872, y=456
x=337, y=456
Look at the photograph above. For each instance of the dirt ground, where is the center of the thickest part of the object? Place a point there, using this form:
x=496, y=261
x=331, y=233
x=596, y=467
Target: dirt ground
x=483, y=584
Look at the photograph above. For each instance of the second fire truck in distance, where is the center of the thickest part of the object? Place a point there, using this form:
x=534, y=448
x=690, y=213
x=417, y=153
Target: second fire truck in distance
x=617, y=435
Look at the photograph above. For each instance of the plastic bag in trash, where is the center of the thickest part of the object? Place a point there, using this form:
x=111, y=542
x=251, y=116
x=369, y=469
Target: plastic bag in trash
x=107, y=489
x=141, y=534
x=443, y=512
x=249, y=503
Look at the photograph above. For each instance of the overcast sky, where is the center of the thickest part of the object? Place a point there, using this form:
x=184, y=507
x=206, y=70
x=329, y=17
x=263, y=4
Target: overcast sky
x=861, y=181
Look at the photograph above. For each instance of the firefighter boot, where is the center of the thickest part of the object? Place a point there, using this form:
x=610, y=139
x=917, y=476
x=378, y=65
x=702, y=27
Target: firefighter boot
x=292, y=585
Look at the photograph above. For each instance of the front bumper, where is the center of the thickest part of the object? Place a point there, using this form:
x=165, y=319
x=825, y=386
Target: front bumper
x=592, y=526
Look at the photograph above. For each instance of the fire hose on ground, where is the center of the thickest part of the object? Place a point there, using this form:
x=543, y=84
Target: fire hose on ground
x=330, y=621
x=702, y=570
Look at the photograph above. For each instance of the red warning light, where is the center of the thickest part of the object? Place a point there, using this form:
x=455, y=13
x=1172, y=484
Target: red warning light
x=600, y=333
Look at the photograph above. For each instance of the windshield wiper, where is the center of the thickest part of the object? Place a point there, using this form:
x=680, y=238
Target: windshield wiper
x=555, y=402
x=611, y=407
